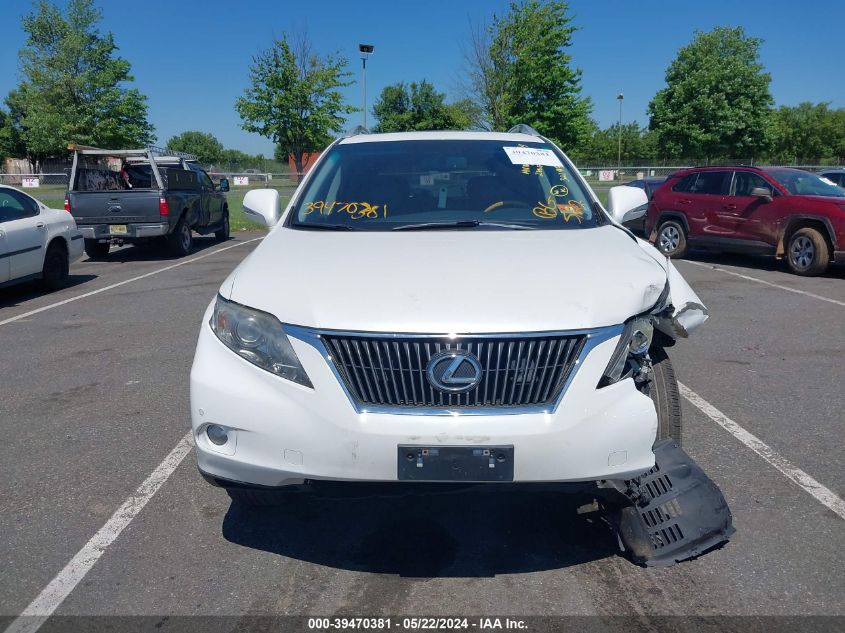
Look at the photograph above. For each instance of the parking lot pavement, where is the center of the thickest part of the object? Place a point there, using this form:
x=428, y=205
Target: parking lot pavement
x=98, y=397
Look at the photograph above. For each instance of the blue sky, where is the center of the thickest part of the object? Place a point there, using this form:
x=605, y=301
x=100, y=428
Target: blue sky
x=191, y=58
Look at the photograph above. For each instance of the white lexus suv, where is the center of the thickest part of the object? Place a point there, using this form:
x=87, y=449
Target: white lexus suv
x=440, y=306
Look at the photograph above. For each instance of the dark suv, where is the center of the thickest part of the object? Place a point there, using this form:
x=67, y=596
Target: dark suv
x=776, y=211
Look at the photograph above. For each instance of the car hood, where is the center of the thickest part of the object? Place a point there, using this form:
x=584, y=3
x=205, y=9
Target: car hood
x=464, y=281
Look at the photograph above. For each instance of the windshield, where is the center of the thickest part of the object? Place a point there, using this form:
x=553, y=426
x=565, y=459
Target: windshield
x=427, y=184
x=803, y=183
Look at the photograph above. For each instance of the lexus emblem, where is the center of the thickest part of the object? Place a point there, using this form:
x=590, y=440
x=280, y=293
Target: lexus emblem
x=454, y=371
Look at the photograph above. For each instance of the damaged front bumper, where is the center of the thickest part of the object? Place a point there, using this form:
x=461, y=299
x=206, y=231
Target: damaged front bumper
x=672, y=513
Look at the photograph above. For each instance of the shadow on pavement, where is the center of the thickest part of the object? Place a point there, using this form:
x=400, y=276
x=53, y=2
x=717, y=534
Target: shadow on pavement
x=422, y=530
x=13, y=296
x=152, y=251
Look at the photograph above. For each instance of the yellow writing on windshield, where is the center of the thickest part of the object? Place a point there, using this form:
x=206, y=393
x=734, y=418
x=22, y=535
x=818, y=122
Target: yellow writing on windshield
x=355, y=210
x=551, y=208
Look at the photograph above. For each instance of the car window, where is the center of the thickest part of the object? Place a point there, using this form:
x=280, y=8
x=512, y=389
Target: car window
x=383, y=185
x=686, y=183
x=835, y=177
x=639, y=184
x=712, y=182
x=745, y=181
x=803, y=183
x=15, y=205
x=205, y=181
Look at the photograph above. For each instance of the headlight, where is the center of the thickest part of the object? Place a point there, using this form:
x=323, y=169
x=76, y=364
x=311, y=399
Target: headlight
x=634, y=343
x=257, y=337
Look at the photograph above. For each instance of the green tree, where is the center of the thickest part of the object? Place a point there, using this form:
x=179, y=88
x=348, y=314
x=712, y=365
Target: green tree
x=809, y=131
x=418, y=106
x=73, y=87
x=638, y=144
x=206, y=146
x=294, y=97
x=520, y=72
x=716, y=103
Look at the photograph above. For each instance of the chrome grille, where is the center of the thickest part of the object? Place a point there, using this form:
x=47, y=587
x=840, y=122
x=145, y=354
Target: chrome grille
x=516, y=371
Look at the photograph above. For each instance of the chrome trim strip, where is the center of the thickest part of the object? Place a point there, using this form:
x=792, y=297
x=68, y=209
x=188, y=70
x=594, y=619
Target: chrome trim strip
x=594, y=337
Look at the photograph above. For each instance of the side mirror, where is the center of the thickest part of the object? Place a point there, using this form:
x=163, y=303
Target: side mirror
x=626, y=203
x=262, y=205
x=762, y=192
x=224, y=184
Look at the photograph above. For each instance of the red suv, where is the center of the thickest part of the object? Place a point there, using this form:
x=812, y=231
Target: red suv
x=771, y=210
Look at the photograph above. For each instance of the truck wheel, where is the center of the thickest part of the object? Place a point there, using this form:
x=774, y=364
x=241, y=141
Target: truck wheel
x=807, y=253
x=55, y=271
x=672, y=239
x=181, y=240
x=223, y=234
x=666, y=396
x=95, y=249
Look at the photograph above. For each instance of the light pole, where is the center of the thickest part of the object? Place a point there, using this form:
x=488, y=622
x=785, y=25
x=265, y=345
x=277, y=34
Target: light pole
x=620, y=97
x=366, y=50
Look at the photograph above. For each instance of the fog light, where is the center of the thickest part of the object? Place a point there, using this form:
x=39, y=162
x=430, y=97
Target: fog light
x=217, y=434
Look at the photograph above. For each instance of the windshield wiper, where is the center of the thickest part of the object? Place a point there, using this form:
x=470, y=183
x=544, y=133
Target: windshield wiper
x=324, y=227
x=461, y=224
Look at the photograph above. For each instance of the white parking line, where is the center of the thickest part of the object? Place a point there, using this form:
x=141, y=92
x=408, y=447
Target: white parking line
x=823, y=494
x=60, y=587
x=765, y=283
x=124, y=282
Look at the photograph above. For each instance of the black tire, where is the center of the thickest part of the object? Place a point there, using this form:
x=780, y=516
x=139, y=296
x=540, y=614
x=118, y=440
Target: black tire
x=807, y=253
x=96, y=250
x=56, y=267
x=257, y=497
x=671, y=239
x=223, y=234
x=666, y=396
x=181, y=240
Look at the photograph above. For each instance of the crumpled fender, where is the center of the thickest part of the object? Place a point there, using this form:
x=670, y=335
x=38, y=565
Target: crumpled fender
x=689, y=313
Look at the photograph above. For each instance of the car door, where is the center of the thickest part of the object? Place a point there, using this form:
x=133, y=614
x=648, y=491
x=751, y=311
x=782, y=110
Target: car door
x=25, y=233
x=745, y=217
x=209, y=203
x=703, y=200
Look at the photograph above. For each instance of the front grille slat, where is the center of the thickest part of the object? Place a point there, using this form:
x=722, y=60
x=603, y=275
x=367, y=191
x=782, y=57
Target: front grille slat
x=516, y=371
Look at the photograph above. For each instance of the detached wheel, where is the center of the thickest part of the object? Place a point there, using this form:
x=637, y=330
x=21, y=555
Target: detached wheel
x=223, y=234
x=807, y=253
x=672, y=239
x=666, y=396
x=96, y=250
x=181, y=240
x=55, y=272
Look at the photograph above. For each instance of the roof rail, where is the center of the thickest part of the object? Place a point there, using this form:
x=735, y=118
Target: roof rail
x=522, y=128
x=158, y=151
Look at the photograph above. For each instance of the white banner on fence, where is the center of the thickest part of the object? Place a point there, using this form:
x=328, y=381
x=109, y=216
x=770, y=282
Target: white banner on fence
x=241, y=180
x=30, y=182
x=605, y=175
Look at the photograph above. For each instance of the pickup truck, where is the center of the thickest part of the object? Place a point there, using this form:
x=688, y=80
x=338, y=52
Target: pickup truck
x=131, y=196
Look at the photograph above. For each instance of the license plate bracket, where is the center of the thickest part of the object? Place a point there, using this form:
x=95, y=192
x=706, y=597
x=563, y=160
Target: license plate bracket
x=455, y=463
x=118, y=229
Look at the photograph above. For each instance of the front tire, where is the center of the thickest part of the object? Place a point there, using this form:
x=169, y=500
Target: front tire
x=672, y=239
x=807, y=253
x=54, y=274
x=96, y=250
x=666, y=396
x=181, y=240
x=223, y=234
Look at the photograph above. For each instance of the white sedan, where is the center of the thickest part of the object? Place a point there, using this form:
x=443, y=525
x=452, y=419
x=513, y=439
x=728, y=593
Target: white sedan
x=36, y=242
